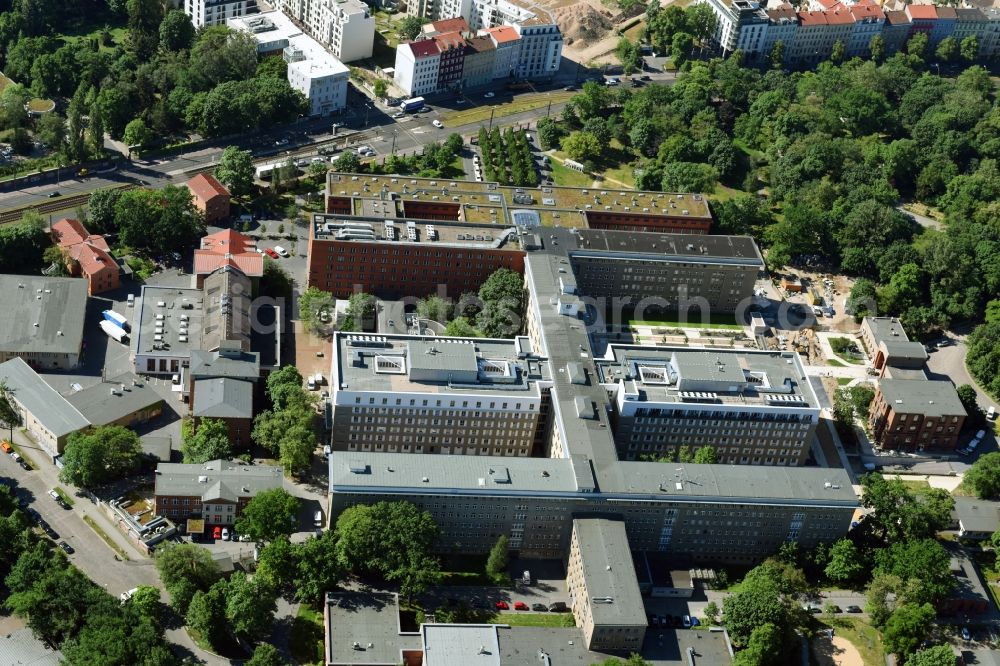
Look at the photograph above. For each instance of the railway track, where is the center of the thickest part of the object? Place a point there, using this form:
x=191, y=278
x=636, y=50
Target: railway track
x=51, y=205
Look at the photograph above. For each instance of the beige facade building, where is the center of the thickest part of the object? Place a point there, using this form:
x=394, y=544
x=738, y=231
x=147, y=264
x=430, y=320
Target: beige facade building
x=602, y=585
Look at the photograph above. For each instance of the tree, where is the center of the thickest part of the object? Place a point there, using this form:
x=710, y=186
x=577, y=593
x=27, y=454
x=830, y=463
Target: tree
x=907, y=628
x=176, y=31
x=763, y=648
x=317, y=569
x=939, y=655
x=947, y=50
x=496, y=563
x=628, y=54
x=917, y=44
x=689, y=177
x=250, y=605
x=970, y=400
x=268, y=515
x=208, y=441
x=185, y=569
x=236, y=171
x=361, y=306
x=266, y=654
x=846, y=564
x=581, y=146
x=461, y=327
x=778, y=54
x=434, y=308
x=706, y=455
x=701, y=21
x=52, y=130
x=137, y=134
x=876, y=47
x=862, y=301
x=983, y=478
x=93, y=457
x=206, y=613
x=634, y=659
x=898, y=514
x=712, y=612
x=680, y=48
x=277, y=562
x=380, y=88
x=410, y=26
x=925, y=561
x=347, y=162
x=837, y=53
x=390, y=539
x=316, y=311
x=969, y=48
x=503, y=284
x=146, y=602
x=758, y=602
x=877, y=597
x=10, y=417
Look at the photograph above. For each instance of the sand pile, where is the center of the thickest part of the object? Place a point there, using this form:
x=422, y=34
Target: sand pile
x=581, y=22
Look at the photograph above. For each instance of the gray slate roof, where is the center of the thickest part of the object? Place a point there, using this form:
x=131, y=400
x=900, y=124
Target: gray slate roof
x=53, y=411
x=100, y=407
x=977, y=515
x=57, y=305
x=609, y=573
x=200, y=480
x=934, y=398
x=22, y=648
x=223, y=399
x=243, y=365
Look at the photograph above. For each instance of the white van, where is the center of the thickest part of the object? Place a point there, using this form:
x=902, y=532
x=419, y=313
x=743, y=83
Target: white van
x=991, y=413
x=311, y=383
x=318, y=519
x=318, y=379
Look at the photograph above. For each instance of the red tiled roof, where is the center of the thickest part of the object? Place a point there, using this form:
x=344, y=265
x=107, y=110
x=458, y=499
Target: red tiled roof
x=68, y=231
x=923, y=12
x=897, y=18
x=504, y=34
x=808, y=19
x=205, y=186
x=828, y=4
x=450, y=25
x=228, y=248
x=867, y=9
x=449, y=40
x=839, y=17
x=424, y=48
x=90, y=251
x=228, y=241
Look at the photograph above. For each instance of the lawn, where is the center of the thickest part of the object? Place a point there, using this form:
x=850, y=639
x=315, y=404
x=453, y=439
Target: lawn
x=835, y=363
x=20, y=451
x=622, y=174
x=715, y=321
x=563, y=175
x=525, y=619
x=105, y=537
x=635, y=32
x=862, y=635
x=307, y=636
x=66, y=498
x=481, y=114
x=844, y=381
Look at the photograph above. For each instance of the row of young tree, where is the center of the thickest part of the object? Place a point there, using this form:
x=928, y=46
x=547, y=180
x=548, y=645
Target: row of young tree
x=163, y=79
x=66, y=610
x=507, y=157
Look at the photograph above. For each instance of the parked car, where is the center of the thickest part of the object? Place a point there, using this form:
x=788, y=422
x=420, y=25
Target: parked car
x=686, y=621
x=437, y=123
x=966, y=636
x=53, y=195
x=361, y=150
x=853, y=609
x=558, y=607
x=980, y=434
x=271, y=253
x=540, y=608
x=327, y=450
x=125, y=596
x=225, y=534
x=501, y=605
x=25, y=466
x=695, y=621
x=217, y=532
x=68, y=549
x=520, y=605
x=6, y=447
x=991, y=413
x=281, y=142
x=489, y=95
x=280, y=250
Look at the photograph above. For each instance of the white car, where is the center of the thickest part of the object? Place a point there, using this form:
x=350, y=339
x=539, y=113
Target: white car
x=361, y=150
x=125, y=596
x=437, y=123
x=398, y=114
x=280, y=250
x=225, y=534
x=489, y=95
x=317, y=160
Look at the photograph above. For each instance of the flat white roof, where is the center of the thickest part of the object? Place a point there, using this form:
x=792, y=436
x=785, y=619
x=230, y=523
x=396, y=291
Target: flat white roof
x=318, y=61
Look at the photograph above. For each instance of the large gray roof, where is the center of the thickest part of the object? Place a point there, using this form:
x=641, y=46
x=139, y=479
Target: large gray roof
x=886, y=328
x=53, y=411
x=977, y=515
x=180, y=309
x=226, y=308
x=922, y=396
x=203, y=480
x=108, y=401
x=670, y=247
x=608, y=572
x=237, y=364
x=223, y=399
x=488, y=476
x=49, y=313
x=22, y=648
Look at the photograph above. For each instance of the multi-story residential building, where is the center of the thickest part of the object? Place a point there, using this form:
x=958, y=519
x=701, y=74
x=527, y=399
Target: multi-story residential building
x=44, y=320
x=87, y=255
x=508, y=47
x=869, y=21
x=916, y=414
x=346, y=27
x=922, y=18
x=216, y=491
x=752, y=407
x=210, y=197
x=813, y=40
x=891, y=352
x=541, y=49
x=312, y=70
x=437, y=395
x=216, y=12
x=451, y=46
x=896, y=31
x=741, y=25
x=416, y=68
x=227, y=248
x=602, y=585
x=382, y=257
x=480, y=62
x=782, y=24
x=969, y=21
x=652, y=272
x=944, y=26
x=989, y=40
x=457, y=24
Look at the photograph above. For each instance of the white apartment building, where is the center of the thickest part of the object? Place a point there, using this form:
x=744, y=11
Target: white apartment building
x=346, y=27
x=742, y=25
x=540, y=50
x=869, y=19
x=417, y=66
x=215, y=12
x=312, y=70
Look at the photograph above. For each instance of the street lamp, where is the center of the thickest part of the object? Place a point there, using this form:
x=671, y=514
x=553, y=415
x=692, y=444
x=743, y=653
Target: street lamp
x=493, y=110
x=395, y=133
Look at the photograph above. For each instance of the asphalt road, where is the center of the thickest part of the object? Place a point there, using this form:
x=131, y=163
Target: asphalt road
x=362, y=115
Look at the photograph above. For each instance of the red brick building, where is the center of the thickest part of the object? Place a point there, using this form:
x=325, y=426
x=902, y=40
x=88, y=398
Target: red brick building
x=87, y=255
x=216, y=491
x=210, y=197
x=674, y=223
x=452, y=48
x=916, y=414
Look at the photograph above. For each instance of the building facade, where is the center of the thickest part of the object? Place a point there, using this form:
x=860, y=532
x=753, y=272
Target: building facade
x=216, y=491
x=416, y=67
x=541, y=49
x=87, y=255
x=451, y=46
x=216, y=12
x=44, y=324
x=916, y=415
x=345, y=27
x=210, y=197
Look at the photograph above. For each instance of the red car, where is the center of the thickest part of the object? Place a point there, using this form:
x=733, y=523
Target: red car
x=217, y=532
x=502, y=605
x=271, y=253
x=520, y=605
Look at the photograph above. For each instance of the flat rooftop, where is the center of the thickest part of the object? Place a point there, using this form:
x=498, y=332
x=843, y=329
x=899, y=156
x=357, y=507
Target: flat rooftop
x=169, y=321
x=384, y=230
x=385, y=473
x=116, y=398
x=45, y=314
x=372, y=622
x=929, y=397
x=458, y=366
x=466, y=644
x=608, y=572
x=491, y=202
x=196, y=479
x=886, y=328
x=717, y=376
x=272, y=27
x=670, y=247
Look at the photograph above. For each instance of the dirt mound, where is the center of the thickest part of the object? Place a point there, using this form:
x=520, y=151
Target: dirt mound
x=580, y=22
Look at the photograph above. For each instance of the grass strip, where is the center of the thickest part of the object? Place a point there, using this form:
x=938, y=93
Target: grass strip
x=106, y=537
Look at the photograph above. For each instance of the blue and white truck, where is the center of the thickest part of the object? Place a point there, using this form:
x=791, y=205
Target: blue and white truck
x=116, y=319
x=411, y=105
